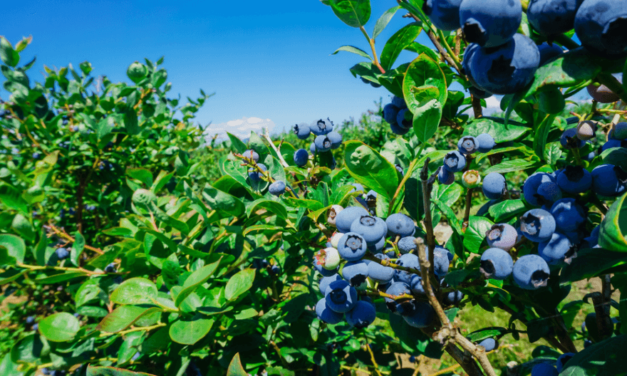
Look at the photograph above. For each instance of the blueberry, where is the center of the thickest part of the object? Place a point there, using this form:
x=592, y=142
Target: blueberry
x=490, y=23
x=544, y=369
x=600, y=26
x=401, y=225
x=507, y=69
x=620, y=131
x=533, y=182
x=399, y=102
x=352, y=246
x=470, y=51
x=35, y=326
x=251, y=154
x=301, y=131
x=398, y=130
x=496, y=264
x=419, y=315
x=587, y=343
x=489, y=344
x=45, y=371
x=443, y=13
x=453, y=297
x=537, y=225
x=390, y=112
x=412, y=359
x=442, y=258
x=327, y=315
x=593, y=239
x=62, y=253
x=396, y=289
x=549, y=193
x=312, y=148
x=332, y=214
x=380, y=273
x=570, y=140
x=568, y=214
x=454, y=161
x=609, y=180
x=110, y=268
x=558, y=250
x=502, y=235
x=614, y=144
x=562, y=360
x=355, y=272
x=277, y=188
x=479, y=93
x=400, y=170
x=301, y=157
x=36, y=155
x=323, y=271
x=346, y=217
x=415, y=284
x=336, y=139
x=552, y=17
x=30, y=320
x=574, y=179
x=404, y=119
x=407, y=244
x=340, y=296
x=321, y=127
x=445, y=176
x=136, y=356
x=323, y=143
x=362, y=315
x=378, y=247
x=370, y=227
x=485, y=143
x=254, y=174
x=531, y=272
x=329, y=258
x=494, y=186
x=467, y=145
x=408, y=260
x=548, y=52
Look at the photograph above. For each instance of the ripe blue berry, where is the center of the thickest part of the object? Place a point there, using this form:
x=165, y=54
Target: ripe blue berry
x=574, y=179
x=453, y=297
x=548, y=52
x=277, y=188
x=401, y=225
x=251, y=154
x=489, y=344
x=396, y=289
x=537, y=225
x=442, y=258
x=390, y=112
x=404, y=119
x=502, y=235
x=321, y=127
x=609, y=180
x=380, y=273
x=443, y=13
x=568, y=214
x=445, y=176
x=397, y=129
x=110, y=268
x=418, y=314
x=408, y=260
x=490, y=23
x=544, y=369
x=301, y=157
x=467, y=145
x=346, y=217
x=614, y=144
x=312, y=148
x=507, y=69
x=341, y=297
x=548, y=193
x=485, y=143
x=399, y=102
x=327, y=315
x=496, y=264
x=323, y=143
x=550, y=17
x=454, y=161
x=255, y=175
x=62, y=253
x=336, y=139
x=415, y=284
x=558, y=250
x=355, y=272
x=352, y=246
x=30, y=320
x=378, y=247
x=362, y=315
x=371, y=228
x=407, y=244
x=620, y=131
x=533, y=182
x=302, y=131
x=531, y=272
x=562, y=360
x=569, y=139
x=593, y=240
x=326, y=281
x=494, y=185
x=600, y=26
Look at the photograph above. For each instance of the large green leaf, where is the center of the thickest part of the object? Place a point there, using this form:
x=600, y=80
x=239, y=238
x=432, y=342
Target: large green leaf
x=369, y=168
x=475, y=233
x=354, y=13
x=194, y=280
x=273, y=207
x=188, y=332
x=125, y=316
x=507, y=209
x=239, y=283
x=500, y=132
x=398, y=42
x=613, y=233
x=223, y=202
x=59, y=327
x=591, y=263
x=237, y=144
x=427, y=119
x=12, y=198
x=604, y=358
x=513, y=165
x=424, y=71
x=77, y=248
x=615, y=156
x=7, y=53
x=135, y=291
x=12, y=249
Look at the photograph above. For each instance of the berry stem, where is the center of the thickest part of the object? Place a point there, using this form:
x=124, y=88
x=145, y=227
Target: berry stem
x=372, y=359
x=374, y=50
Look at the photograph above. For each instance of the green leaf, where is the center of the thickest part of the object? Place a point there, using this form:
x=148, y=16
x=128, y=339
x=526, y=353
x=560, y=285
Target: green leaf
x=475, y=233
x=613, y=233
x=426, y=120
x=23, y=227
x=130, y=122
x=422, y=49
x=30, y=349
x=124, y=316
x=272, y=207
x=196, y=279
x=506, y=209
x=383, y=21
x=12, y=249
x=303, y=203
x=398, y=42
x=237, y=144
x=188, y=332
x=77, y=248
x=553, y=152
x=354, y=50
x=484, y=333
x=12, y=198
x=542, y=133
x=111, y=371
x=354, y=13
x=224, y=203
x=236, y=368
x=570, y=311
x=615, y=156
x=514, y=165
x=59, y=327
x=591, y=263
x=500, y=132
x=604, y=358
x=8, y=55
x=425, y=73
x=239, y=283
x=369, y=168
x=135, y=291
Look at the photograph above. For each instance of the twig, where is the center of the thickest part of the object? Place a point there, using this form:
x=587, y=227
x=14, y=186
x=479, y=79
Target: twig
x=372, y=47
x=425, y=268
x=476, y=351
x=374, y=362
x=476, y=107
x=426, y=199
x=467, y=209
x=266, y=135
x=408, y=174
x=598, y=204
x=465, y=361
x=278, y=351
x=446, y=370
x=65, y=235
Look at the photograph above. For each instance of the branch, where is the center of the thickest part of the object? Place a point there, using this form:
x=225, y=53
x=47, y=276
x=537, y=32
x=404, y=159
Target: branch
x=266, y=135
x=374, y=51
x=426, y=200
x=372, y=359
x=476, y=351
x=425, y=268
x=65, y=235
x=476, y=107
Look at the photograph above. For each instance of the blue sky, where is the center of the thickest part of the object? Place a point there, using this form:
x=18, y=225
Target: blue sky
x=267, y=61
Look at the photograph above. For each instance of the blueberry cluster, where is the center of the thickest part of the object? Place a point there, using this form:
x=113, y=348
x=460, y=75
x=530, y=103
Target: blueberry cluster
x=391, y=240
x=398, y=116
x=456, y=161
x=326, y=138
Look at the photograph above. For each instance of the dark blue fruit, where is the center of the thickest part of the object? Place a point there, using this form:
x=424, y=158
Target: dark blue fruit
x=301, y=131
x=323, y=143
x=327, y=315
x=609, y=180
x=390, y=112
x=404, y=119
x=537, y=225
x=255, y=175
x=336, y=139
x=551, y=17
x=485, y=143
x=346, y=217
x=489, y=344
x=562, y=360
x=600, y=26
x=380, y=273
x=496, y=264
x=352, y=246
x=494, y=186
x=443, y=13
x=355, y=272
x=544, y=369
x=569, y=139
x=399, y=102
x=445, y=176
x=251, y=154
x=407, y=244
x=326, y=281
x=420, y=315
x=490, y=23
x=558, y=250
x=454, y=161
x=370, y=227
x=62, y=253
x=506, y=69
x=408, y=260
x=533, y=182
x=502, y=235
x=531, y=272
x=467, y=145
x=397, y=129
x=568, y=214
x=362, y=315
x=574, y=179
x=453, y=297
x=277, y=188
x=321, y=127
x=401, y=225
x=340, y=296
x=548, y=52
x=301, y=157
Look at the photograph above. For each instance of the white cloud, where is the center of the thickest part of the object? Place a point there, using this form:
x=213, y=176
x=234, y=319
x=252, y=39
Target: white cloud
x=240, y=127
x=493, y=102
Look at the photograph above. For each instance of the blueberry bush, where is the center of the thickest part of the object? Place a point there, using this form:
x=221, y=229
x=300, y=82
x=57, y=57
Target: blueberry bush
x=132, y=246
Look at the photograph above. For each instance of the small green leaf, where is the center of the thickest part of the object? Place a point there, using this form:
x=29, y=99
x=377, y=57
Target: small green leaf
x=111, y=371
x=188, y=332
x=239, y=283
x=227, y=205
x=135, y=291
x=194, y=280
x=369, y=168
x=425, y=73
x=236, y=143
x=59, y=327
x=236, y=368
x=615, y=156
x=613, y=234
x=384, y=20
x=354, y=50
x=354, y=13
x=500, y=132
x=272, y=207
x=484, y=333
x=12, y=249
x=123, y=317
x=542, y=133
x=475, y=233
x=398, y=42
x=77, y=248
x=507, y=209
x=426, y=120
x=513, y=165
x=8, y=55
x=23, y=227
